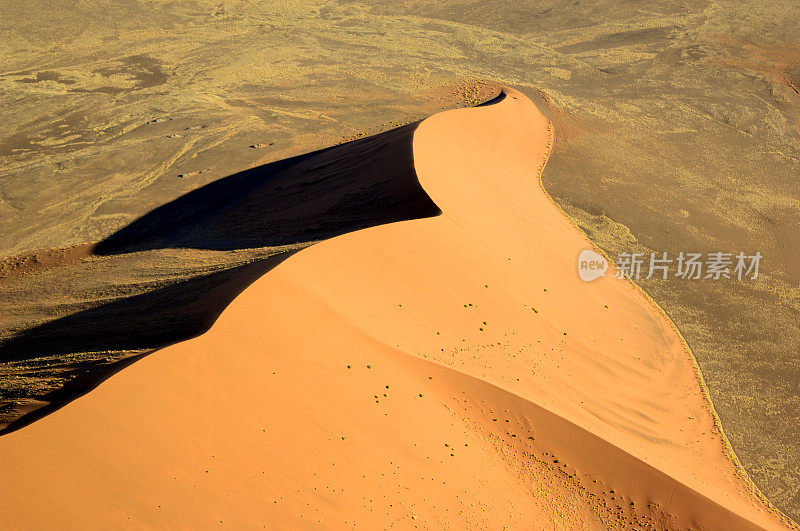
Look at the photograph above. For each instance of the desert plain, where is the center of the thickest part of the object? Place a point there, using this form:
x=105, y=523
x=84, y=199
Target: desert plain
x=159, y=158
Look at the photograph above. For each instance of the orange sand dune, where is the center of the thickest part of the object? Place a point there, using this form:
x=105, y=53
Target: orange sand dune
x=451, y=371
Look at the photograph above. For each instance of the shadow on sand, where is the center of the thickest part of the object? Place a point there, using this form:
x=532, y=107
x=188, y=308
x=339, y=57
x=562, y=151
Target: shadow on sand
x=310, y=197
x=307, y=198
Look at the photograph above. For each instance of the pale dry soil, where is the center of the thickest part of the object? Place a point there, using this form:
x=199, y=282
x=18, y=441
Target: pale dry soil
x=676, y=130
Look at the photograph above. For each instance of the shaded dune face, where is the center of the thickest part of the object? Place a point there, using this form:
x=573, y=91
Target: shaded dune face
x=452, y=371
x=310, y=197
x=293, y=202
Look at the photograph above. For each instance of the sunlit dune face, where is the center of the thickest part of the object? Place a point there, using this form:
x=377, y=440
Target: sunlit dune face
x=453, y=371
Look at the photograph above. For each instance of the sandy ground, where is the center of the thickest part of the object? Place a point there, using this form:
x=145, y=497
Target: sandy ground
x=444, y=371
x=678, y=130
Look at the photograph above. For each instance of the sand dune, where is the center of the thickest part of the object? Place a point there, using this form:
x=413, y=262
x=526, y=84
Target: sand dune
x=449, y=371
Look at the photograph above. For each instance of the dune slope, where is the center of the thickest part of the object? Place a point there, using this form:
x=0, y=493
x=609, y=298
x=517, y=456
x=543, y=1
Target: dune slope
x=449, y=371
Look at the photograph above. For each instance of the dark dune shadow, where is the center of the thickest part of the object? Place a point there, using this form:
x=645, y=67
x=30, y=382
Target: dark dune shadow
x=318, y=195
x=154, y=319
x=497, y=99
x=147, y=322
x=303, y=199
x=307, y=198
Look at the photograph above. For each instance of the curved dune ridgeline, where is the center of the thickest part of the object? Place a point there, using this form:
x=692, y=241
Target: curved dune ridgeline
x=447, y=371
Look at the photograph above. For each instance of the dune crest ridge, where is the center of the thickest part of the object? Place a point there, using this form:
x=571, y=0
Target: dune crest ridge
x=448, y=371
